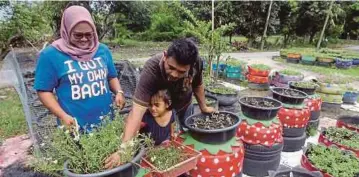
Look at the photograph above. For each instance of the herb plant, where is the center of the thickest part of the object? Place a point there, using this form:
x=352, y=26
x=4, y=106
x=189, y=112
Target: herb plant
x=343, y=136
x=305, y=84
x=290, y=72
x=260, y=67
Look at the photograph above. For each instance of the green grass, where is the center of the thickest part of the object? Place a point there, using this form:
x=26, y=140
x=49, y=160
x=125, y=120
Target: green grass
x=12, y=119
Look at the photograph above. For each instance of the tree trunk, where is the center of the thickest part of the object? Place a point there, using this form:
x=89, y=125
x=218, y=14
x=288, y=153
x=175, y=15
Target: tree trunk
x=230, y=38
x=266, y=26
x=6, y=47
x=325, y=24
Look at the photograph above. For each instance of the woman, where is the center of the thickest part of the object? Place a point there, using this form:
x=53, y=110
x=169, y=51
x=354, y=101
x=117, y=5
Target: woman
x=80, y=70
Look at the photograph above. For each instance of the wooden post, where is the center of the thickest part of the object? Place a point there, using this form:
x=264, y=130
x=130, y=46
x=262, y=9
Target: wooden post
x=266, y=25
x=325, y=24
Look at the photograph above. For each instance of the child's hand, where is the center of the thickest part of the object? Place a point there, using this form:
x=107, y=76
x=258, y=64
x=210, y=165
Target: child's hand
x=165, y=143
x=112, y=161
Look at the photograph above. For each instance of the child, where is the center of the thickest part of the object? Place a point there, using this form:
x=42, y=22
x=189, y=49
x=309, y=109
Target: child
x=159, y=120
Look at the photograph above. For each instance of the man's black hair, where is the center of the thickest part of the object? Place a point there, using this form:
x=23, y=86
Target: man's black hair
x=184, y=51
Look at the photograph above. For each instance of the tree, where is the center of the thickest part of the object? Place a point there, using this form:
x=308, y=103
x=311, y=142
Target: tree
x=325, y=24
x=351, y=27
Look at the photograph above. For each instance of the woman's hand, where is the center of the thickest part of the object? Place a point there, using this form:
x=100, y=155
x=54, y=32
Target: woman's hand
x=208, y=110
x=120, y=100
x=113, y=160
x=67, y=120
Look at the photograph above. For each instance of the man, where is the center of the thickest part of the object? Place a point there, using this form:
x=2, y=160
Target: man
x=179, y=70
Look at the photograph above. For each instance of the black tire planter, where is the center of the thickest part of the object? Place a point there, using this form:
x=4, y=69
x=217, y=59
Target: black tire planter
x=314, y=115
x=288, y=99
x=292, y=144
x=326, y=64
x=260, y=167
x=261, y=152
x=308, y=91
x=224, y=99
x=356, y=61
x=256, y=86
x=296, y=172
x=125, y=170
x=217, y=136
x=313, y=123
x=197, y=109
x=235, y=108
x=292, y=60
x=260, y=113
x=293, y=132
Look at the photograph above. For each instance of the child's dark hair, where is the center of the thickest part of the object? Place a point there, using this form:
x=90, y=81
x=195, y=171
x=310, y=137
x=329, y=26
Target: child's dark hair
x=165, y=96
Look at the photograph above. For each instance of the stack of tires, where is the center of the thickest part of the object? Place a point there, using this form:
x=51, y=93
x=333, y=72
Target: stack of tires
x=314, y=103
x=261, y=133
x=308, y=60
x=342, y=63
x=332, y=96
x=258, y=78
x=234, y=72
x=294, y=116
x=222, y=69
x=293, y=58
x=282, y=78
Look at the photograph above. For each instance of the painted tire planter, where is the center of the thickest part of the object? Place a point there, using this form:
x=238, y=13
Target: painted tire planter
x=214, y=136
x=329, y=98
x=314, y=103
x=293, y=118
x=327, y=142
x=325, y=60
x=343, y=64
x=308, y=91
x=308, y=60
x=257, y=72
x=350, y=97
x=258, y=159
x=125, y=170
x=284, y=98
x=216, y=160
x=259, y=112
x=355, y=61
x=349, y=122
x=285, y=79
x=224, y=99
x=214, y=104
x=257, y=79
x=296, y=172
x=278, y=84
x=293, y=60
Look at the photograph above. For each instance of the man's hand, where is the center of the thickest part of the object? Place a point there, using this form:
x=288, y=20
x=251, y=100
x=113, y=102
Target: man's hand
x=208, y=110
x=120, y=100
x=67, y=120
x=112, y=161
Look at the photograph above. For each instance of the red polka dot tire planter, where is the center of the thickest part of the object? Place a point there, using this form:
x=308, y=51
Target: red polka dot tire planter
x=314, y=103
x=294, y=121
x=216, y=160
x=349, y=122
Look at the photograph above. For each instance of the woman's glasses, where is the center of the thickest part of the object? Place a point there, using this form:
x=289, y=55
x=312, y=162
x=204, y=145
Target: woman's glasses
x=79, y=36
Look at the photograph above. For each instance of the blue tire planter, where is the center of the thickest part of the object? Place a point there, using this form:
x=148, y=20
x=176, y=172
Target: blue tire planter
x=355, y=61
x=350, y=97
x=343, y=64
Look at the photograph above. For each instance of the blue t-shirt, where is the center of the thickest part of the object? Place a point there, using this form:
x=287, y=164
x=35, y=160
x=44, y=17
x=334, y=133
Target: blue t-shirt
x=157, y=133
x=82, y=88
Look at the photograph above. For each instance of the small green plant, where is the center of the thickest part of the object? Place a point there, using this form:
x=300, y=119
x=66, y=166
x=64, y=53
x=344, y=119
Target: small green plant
x=235, y=62
x=305, y=84
x=333, y=161
x=260, y=67
x=311, y=131
x=164, y=158
x=209, y=101
x=290, y=72
x=86, y=155
x=343, y=136
x=222, y=89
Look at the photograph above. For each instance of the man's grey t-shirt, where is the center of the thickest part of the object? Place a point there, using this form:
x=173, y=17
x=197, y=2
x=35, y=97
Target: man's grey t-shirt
x=153, y=78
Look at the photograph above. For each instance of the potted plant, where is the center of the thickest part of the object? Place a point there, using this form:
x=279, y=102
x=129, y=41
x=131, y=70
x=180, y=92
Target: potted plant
x=293, y=57
x=210, y=101
x=331, y=161
x=308, y=60
x=343, y=63
x=84, y=155
x=341, y=137
x=284, y=171
x=349, y=122
x=350, y=96
x=226, y=96
x=324, y=60
x=283, y=53
x=172, y=159
x=307, y=87
x=288, y=96
x=214, y=128
x=259, y=108
x=259, y=70
x=283, y=77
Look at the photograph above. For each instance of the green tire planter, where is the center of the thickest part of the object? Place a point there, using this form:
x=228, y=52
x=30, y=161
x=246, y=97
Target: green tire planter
x=330, y=98
x=330, y=89
x=308, y=58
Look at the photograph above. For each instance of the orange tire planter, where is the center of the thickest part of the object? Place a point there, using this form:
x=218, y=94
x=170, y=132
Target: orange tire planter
x=220, y=164
x=257, y=79
x=294, y=118
x=324, y=140
x=294, y=56
x=257, y=72
x=260, y=134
